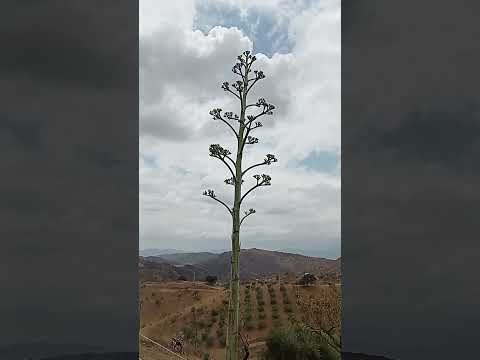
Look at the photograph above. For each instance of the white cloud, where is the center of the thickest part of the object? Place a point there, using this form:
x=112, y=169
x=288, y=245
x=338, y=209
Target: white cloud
x=174, y=15
x=181, y=70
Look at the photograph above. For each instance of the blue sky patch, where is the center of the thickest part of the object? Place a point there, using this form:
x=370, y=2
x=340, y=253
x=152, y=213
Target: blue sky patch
x=267, y=34
x=323, y=161
x=149, y=160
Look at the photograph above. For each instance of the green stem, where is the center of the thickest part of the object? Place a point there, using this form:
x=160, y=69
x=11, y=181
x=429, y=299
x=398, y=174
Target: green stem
x=232, y=352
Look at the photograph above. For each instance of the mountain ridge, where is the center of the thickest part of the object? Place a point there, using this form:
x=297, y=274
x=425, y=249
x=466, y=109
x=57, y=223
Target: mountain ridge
x=254, y=262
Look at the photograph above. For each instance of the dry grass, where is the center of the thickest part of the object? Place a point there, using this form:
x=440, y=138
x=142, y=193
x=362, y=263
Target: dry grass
x=166, y=311
x=321, y=306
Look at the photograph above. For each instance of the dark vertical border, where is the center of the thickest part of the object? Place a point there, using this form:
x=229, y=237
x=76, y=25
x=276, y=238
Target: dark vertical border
x=410, y=179
x=69, y=183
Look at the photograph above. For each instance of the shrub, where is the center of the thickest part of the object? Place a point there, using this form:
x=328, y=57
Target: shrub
x=286, y=301
x=209, y=341
x=204, y=336
x=222, y=340
x=206, y=356
x=188, y=332
x=307, y=279
x=201, y=324
x=273, y=301
x=249, y=326
x=261, y=309
x=275, y=315
x=261, y=302
x=214, y=312
x=182, y=278
x=288, y=309
x=297, y=342
x=210, y=279
x=261, y=325
x=220, y=332
x=262, y=316
x=157, y=302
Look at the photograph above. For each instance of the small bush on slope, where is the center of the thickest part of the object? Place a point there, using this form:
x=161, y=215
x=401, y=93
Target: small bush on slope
x=299, y=343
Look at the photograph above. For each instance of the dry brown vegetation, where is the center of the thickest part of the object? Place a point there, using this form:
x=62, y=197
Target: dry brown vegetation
x=198, y=311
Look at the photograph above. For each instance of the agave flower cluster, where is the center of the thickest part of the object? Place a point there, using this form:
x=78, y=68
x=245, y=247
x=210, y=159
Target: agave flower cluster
x=267, y=108
x=231, y=116
x=231, y=181
x=210, y=193
x=250, y=211
x=265, y=180
x=216, y=113
x=219, y=152
x=269, y=159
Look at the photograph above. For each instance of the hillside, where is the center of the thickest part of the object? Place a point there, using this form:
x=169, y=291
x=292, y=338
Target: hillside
x=158, y=252
x=188, y=258
x=253, y=263
x=157, y=269
x=198, y=312
x=259, y=263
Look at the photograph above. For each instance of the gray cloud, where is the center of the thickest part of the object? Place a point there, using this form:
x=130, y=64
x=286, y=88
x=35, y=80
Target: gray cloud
x=180, y=75
x=164, y=128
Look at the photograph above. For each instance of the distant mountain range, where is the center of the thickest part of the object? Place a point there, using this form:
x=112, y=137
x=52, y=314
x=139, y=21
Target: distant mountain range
x=158, y=252
x=253, y=263
x=290, y=250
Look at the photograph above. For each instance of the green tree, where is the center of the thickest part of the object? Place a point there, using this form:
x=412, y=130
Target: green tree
x=242, y=127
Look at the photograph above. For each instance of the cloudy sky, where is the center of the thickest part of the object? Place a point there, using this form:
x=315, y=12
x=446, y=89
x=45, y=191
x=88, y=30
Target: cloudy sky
x=187, y=49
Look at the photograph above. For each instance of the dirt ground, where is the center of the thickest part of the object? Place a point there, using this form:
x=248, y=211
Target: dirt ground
x=166, y=310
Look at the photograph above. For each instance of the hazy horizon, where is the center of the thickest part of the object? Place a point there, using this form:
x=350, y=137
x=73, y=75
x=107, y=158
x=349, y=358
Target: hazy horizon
x=310, y=252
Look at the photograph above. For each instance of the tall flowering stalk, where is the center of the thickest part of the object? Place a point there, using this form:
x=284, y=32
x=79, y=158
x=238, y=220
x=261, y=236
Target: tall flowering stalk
x=242, y=127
